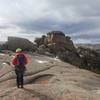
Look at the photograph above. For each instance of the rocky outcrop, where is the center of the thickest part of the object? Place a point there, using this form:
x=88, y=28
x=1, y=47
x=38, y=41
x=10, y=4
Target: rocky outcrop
x=60, y=45
x=61, y=41
x=16, y=42
x=58, y=38
x=71, y=57
x=91, y=58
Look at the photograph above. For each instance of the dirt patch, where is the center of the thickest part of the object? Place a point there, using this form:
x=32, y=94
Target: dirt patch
x=42, y=79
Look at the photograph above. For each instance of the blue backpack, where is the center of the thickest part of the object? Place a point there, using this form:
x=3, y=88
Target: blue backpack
x=20, y=59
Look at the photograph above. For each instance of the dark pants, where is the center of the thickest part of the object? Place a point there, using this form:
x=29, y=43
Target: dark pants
x=19, y=76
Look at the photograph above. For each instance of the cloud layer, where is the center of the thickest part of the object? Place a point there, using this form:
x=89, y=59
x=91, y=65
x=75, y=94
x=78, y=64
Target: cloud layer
x=79, y=19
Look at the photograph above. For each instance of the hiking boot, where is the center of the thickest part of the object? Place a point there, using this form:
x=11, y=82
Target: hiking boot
x=21, y=86
x=18, y=86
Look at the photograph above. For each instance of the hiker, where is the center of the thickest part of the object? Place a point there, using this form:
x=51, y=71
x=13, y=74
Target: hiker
x=19, y=62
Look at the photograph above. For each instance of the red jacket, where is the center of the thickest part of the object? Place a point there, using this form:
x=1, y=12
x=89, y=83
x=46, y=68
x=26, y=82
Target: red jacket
x=14, y=61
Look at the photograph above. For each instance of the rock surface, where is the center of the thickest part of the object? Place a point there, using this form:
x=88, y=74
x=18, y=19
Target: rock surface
x=48, y=78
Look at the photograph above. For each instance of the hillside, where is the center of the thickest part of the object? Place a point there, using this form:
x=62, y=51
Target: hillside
x=48, y=78
x=91, y=46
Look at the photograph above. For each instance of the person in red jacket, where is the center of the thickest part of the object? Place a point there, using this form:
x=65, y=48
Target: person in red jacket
x=19, y=62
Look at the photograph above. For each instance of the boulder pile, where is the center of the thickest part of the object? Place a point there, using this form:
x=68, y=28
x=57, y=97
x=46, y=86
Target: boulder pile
x=15, y=42
x=59, y=45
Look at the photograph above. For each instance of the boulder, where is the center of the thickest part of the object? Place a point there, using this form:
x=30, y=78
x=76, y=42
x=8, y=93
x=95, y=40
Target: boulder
x=16, y=42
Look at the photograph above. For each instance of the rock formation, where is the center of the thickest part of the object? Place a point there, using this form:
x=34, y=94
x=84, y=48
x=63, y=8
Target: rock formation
x=61, y=41
x=58, y=38
x=16, y=42
x=60, y=45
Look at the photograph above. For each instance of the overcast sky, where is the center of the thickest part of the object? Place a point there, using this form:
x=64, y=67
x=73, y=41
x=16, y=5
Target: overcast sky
x=79, y=19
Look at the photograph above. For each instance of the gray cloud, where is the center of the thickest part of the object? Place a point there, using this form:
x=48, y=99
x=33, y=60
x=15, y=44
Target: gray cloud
x=87, y=36
x=77, y=18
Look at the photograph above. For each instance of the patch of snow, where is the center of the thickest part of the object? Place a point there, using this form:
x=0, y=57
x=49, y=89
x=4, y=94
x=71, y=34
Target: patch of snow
x=40, y=61
x=4, y=63
x=56, y=58
x=1, y=54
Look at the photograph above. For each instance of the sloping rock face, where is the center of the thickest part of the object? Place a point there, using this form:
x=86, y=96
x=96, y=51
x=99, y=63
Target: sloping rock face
x=91, y=58
x=15, y=42
x=60, y=45
x=90, y=46
x=48, y=79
